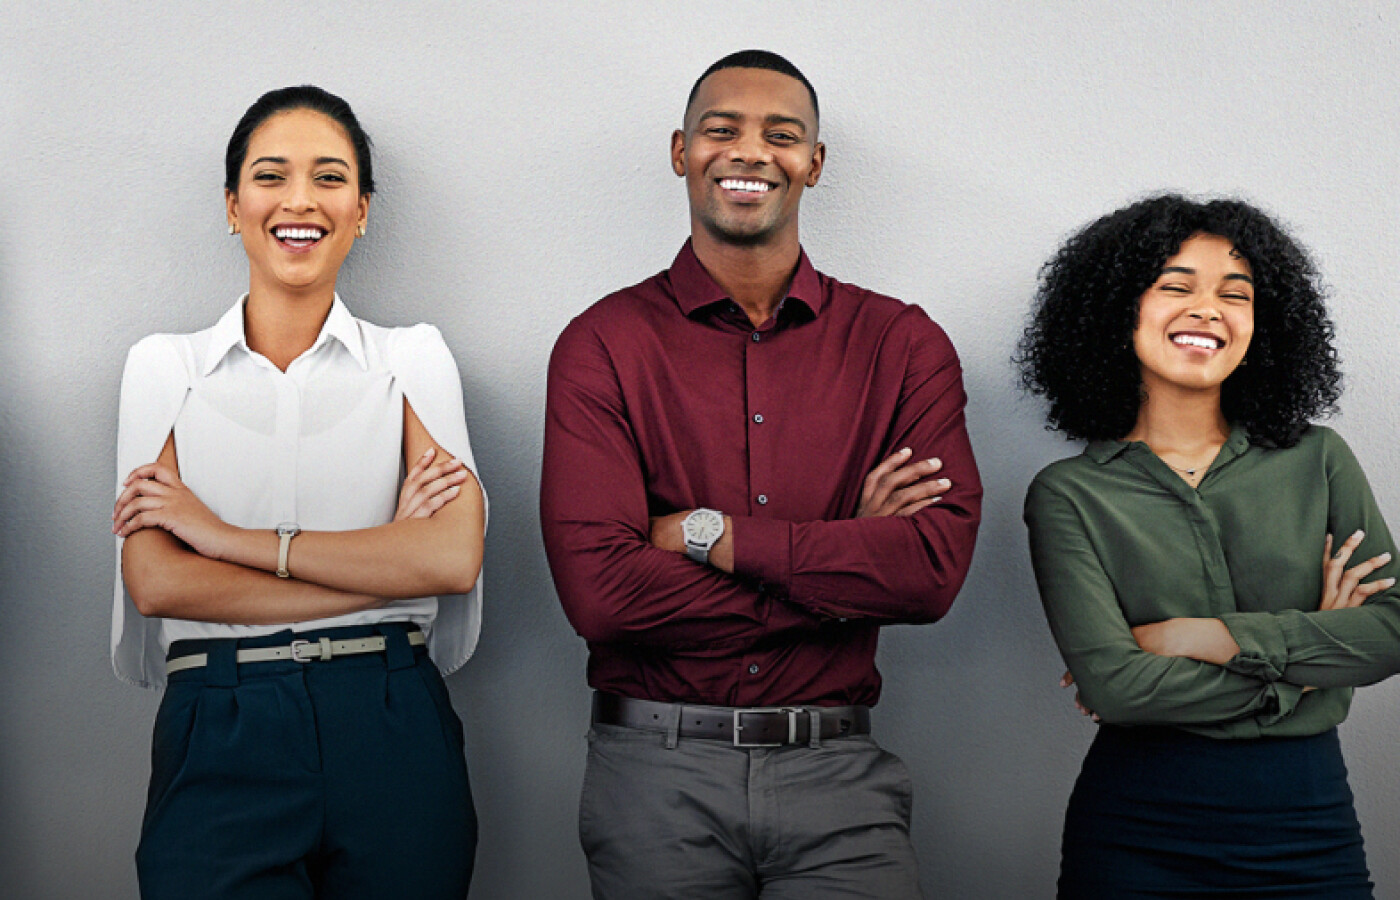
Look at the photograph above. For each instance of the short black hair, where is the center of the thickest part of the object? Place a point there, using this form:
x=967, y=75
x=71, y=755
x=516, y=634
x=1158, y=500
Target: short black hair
x=756, y=59
x=305, y=96
x=1077, y=349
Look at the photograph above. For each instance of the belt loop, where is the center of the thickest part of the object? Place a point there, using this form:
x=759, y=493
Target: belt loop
x=673, y=726
x=222, y=670
x=398, y=652
x=814, y=734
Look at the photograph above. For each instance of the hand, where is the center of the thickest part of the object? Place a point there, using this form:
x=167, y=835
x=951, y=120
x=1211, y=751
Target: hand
x=1067, y=680
x=898, y=487
x=666, y=532
x=427, y=488
x=153, y=496
x=1342, y=587
x=1206, y=640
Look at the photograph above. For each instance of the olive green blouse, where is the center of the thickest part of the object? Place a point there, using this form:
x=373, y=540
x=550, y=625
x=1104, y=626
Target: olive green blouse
x=1118, y=540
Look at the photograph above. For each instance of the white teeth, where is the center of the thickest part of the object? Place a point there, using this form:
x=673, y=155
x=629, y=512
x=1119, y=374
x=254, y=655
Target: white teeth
x=299, y=234
x=737, y=184
x=1191, y=340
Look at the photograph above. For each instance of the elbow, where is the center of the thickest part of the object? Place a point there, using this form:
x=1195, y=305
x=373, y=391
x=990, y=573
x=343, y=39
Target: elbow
x=594, y=625
x=150, y=592
x=456, y=572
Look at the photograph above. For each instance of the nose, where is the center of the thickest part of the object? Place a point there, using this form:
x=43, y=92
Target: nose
x=750, y=148
x=300, y=196
x=1206, y=312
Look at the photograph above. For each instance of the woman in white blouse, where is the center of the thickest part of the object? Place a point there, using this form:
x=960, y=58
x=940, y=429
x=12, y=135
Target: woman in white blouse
x=277, y=564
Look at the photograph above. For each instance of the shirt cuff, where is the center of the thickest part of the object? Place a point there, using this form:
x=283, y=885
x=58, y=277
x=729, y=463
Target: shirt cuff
x=1283, y=700
x=763, y=551
x=1263, y=647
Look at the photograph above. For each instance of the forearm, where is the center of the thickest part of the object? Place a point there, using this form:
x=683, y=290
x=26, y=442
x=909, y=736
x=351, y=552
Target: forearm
x=1324, y=649
x=891, y=569
x=407, y=558
x=168, y=580
x=1127, y=686
x=616, y=587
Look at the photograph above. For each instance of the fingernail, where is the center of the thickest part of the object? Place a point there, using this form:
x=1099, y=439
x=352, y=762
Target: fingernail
x=905, y=451
x=454, y=489
x=1385, y=556
x=427, y=453
x=1359, y=534
x=944, y=483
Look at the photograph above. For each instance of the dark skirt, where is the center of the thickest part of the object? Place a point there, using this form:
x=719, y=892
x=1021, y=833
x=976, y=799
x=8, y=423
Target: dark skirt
x=1159, y=812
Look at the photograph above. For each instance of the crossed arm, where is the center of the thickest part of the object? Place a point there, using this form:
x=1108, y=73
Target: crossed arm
x=179, y=560
x=621, y=574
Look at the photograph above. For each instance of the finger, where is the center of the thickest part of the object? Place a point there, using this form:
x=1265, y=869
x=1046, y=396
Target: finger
x=912, y=473
x=141, y=488
x=912, y=508
x=1349, y=546
x=438, y=502
x=1368, y=590
x=1066, y=679
x=136, y=516
x=872, y=481
x=134, y=507
x=1352, y=579
x=437, y=470
x=154, y=472
x=1327, y=550
x=421, y=464
x=916, y=492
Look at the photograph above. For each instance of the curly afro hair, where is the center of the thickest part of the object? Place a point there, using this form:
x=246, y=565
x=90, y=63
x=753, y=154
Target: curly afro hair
x=1077, y=349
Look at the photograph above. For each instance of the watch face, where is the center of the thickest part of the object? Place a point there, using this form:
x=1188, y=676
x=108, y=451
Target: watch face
x=703, y=527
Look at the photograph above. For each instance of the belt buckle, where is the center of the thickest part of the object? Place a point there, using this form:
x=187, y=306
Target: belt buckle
x=296, y=647
x=791, y=713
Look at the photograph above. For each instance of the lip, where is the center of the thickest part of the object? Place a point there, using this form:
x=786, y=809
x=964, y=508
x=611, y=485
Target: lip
x=298, y=245
x=1219, y=342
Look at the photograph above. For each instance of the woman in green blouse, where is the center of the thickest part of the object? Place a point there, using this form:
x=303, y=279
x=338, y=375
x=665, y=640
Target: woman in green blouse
x=1186, y=558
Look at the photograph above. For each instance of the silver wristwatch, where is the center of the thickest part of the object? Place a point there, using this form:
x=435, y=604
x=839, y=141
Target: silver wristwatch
x=702, y=529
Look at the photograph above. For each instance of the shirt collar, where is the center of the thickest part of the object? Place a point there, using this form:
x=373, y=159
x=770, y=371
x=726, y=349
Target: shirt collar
x=695, y=288
x=1102, y=451
x=228, y=333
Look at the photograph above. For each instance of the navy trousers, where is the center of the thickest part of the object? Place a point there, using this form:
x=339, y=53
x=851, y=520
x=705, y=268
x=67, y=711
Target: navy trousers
x=337, y=779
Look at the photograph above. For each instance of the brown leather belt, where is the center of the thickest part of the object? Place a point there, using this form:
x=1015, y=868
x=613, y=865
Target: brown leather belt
x=740, y=726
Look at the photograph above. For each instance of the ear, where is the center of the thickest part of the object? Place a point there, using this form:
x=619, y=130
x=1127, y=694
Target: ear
x=363, y=218
x=678, y=152
x=231, y=206
x=818, y=160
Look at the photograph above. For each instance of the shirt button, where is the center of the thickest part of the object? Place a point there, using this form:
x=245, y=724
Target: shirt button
x=757, y=337
x=758, y=418
x=753, y=669
x=762, y=499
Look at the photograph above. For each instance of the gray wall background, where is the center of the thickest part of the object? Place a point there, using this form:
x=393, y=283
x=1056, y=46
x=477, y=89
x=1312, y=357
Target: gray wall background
x=522, y=157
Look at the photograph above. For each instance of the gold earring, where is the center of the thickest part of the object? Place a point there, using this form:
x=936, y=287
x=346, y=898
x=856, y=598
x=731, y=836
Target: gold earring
x=360, y=230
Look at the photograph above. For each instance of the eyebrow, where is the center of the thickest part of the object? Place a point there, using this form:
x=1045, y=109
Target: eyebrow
x=282, y=161
x=1187, y=270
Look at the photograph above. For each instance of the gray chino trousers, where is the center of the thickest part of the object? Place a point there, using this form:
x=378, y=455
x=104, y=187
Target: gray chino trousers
x=713, y=821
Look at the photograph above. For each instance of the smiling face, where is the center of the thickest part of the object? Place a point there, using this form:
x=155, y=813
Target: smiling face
x=748, y=148
x=298, y=202
x=1196, y=321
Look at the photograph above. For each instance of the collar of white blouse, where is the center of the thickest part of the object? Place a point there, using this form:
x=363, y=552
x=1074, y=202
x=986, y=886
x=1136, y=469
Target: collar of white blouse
x=228, y=333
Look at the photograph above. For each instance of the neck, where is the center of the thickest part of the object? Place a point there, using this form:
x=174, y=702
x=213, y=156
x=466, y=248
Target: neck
x=755, y=276
x=1184, y=425
x=282, y=325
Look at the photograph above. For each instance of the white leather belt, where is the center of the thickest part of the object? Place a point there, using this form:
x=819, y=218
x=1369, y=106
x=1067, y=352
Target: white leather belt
x=298, y=651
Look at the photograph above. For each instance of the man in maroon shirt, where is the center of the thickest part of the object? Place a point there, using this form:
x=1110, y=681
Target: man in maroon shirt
x=749, y=467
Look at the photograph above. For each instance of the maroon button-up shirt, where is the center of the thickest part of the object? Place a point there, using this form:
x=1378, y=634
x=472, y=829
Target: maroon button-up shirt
x=664, y=397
